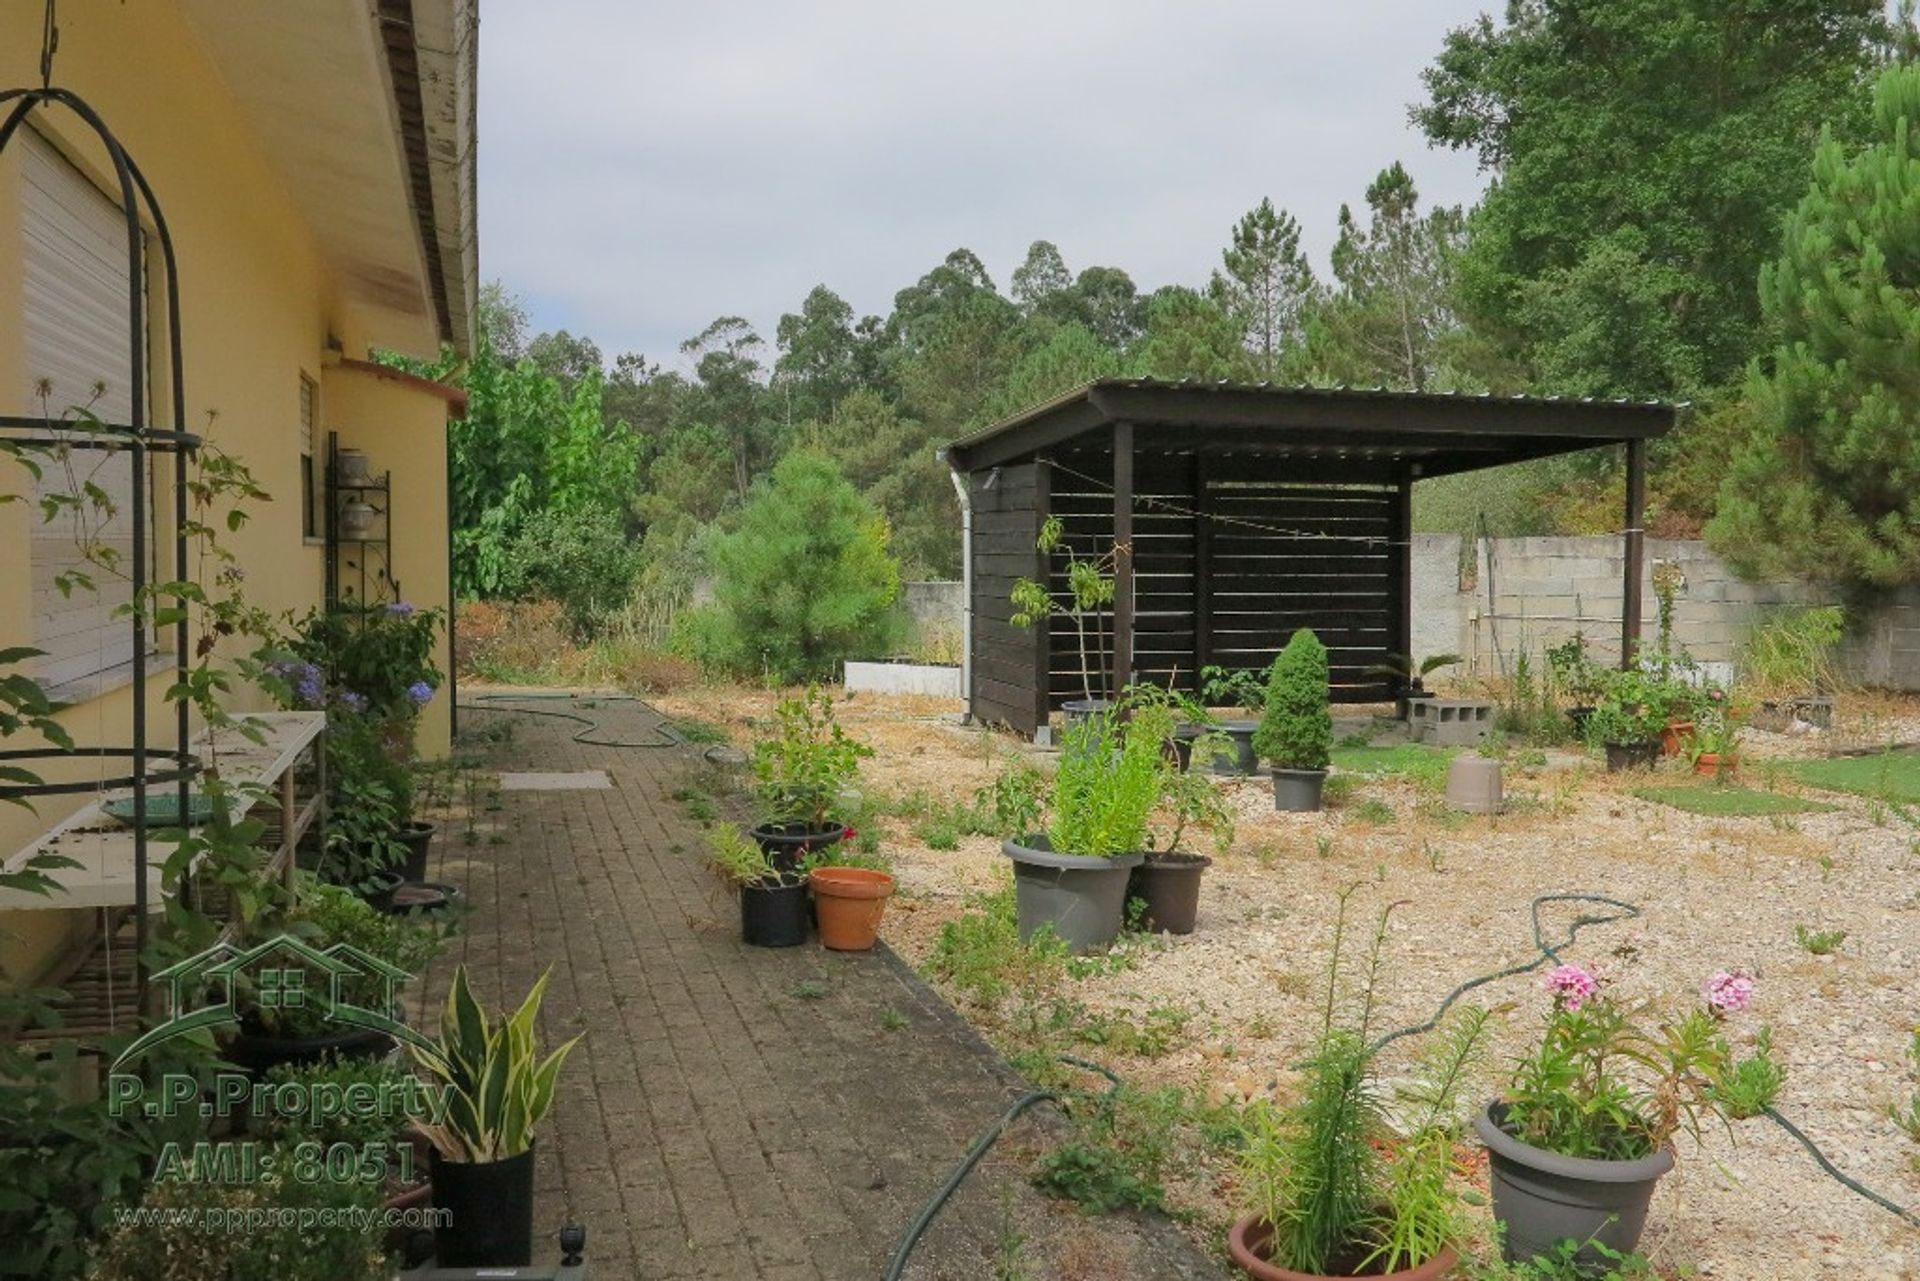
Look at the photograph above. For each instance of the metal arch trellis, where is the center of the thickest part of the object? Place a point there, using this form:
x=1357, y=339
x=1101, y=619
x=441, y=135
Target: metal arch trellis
x=140, y=440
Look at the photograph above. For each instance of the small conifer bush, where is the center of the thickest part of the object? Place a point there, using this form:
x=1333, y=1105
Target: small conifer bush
x=1296, y=731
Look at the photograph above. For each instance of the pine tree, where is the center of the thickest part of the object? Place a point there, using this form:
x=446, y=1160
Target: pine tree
x=1266, y=283
x=1828, y=482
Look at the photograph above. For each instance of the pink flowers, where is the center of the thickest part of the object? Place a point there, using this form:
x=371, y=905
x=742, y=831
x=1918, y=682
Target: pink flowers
x=1571, y=986
x=1730, y=993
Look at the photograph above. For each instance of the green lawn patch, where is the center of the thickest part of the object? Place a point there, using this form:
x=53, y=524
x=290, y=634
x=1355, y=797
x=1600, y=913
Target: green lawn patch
x=1730, y=802
x=1885, y=776
x=1416, y=762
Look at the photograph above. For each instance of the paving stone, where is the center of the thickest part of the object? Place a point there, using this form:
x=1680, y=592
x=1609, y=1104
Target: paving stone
x=711, y=1125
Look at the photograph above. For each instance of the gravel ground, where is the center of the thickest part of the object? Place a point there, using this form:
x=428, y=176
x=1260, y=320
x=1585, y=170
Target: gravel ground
x=1715, y=893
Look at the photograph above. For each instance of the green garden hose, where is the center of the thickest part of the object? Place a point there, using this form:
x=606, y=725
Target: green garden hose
x=667, y=735
x=1547, y=952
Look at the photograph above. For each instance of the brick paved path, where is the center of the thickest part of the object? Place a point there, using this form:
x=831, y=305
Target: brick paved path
x=713, y=1123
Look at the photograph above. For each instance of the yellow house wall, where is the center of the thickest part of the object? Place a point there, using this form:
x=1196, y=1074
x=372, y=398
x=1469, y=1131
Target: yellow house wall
x=257, y=310
x=403, y=431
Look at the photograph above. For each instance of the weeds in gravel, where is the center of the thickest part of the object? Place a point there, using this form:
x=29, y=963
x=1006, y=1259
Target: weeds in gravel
x=1907, y=1115
x=1374, y=812
x=1129, y=1141
x=1426, y=767
x=1729, y=802
x=892, y=1020
x=1819, y=942
x=810, y=990
x=1563, y=1264
x=1753, y=1083
x=1338, y=790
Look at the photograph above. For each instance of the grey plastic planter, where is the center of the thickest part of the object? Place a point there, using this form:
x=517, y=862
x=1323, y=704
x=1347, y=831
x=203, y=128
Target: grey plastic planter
x=1543, y=1198
x=1297, y=790
x=1244, y=762
x=1076, y=710
x=1084, y=899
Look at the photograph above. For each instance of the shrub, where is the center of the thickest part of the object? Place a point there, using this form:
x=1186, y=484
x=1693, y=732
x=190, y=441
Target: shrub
x=508, y=641
x=804, y=581
x=1296, y=730
x=802, y=773
x=583, y=559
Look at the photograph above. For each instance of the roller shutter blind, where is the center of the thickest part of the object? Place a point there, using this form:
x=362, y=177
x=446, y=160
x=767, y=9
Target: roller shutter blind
x=74, y=282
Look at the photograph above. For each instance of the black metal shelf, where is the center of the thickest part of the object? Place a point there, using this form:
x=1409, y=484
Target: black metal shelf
x=359, y=570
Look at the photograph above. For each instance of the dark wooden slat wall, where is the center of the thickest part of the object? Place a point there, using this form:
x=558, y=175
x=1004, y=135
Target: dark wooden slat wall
x=1282, y=555
x=1006, y=521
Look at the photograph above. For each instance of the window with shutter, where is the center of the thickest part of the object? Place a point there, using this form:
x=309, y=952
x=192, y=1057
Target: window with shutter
x=74, y=281
x=310, y=497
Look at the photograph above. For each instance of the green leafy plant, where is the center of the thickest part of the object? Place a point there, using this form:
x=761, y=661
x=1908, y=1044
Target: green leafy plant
x=1296, y=730
x=1239, y=688
x=1790, y=653
x=1407, y=677
x=1089, y=592
x=1906, y=1114
x=1108, y=783
x=1819, y=942
x=498, y=1087
x=1016, y=799
x=803, y=770
x=1604, y=1086
x=737, y=858
x=1339, y=1190
x=375, y=659
x=1097, y=1178
x=1751, y=1084
x=1574, y=672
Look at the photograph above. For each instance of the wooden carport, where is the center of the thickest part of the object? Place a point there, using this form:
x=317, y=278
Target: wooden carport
x=1235, y=514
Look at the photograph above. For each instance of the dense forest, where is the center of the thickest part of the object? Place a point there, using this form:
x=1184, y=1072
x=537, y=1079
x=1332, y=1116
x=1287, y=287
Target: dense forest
x=1648, y=162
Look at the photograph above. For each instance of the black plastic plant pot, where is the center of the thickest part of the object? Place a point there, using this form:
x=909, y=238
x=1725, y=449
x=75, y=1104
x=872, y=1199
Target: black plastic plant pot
x=1243, y=762
x=426, y=898
x=488, y=1212
x=1625, y=756
x=1182, y=744
x=416, y=836
x=1168, y=885
x=774, y=913
x=1543, y=1198
x=260, y=1052
x=788, y=843
x=1297, y=791
x=378, y=888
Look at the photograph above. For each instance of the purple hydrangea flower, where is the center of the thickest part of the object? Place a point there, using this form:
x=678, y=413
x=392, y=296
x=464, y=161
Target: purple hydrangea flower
x=1730, y=992
x=420, y=692
x=401, y=609
x=1571, y=986
x=353, y=702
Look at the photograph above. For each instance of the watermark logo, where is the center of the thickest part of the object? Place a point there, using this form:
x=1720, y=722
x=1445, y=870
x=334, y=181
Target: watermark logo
x=348, y=986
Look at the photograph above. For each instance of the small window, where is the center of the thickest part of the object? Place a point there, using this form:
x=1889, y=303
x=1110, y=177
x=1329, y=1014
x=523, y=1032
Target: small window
x=310, y=497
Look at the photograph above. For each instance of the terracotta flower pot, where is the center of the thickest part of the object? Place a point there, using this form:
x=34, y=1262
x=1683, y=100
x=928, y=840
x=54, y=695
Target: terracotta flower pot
x=1716, y=764
x=1247, y=1244
x=1675, y=737
x=850, y=902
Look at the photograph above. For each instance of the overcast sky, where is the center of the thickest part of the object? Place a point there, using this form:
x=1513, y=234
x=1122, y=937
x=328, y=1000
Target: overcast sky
x=646, y=167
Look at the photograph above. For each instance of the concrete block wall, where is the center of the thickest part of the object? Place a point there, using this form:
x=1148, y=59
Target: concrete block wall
x=1523, y=595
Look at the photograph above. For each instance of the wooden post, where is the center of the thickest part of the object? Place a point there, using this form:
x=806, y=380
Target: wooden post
x=1635, y=548
x=1043, y=574
x=1122, y=557
x=1202, y=569
x=1400, y=571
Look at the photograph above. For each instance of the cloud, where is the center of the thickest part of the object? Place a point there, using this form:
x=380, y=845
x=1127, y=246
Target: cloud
x=645, y=168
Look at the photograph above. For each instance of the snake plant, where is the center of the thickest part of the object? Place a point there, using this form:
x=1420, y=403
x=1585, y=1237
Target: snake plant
x=498, y=1088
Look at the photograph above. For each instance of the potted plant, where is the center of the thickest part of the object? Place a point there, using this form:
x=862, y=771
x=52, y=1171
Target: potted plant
x=1072, y=879
x=1296, y=731
x=773, y=899
x=273, y=1031
x=1334, y=1190
x=1194, y=729
x=1408, y=679
x=1716, y=740
x=1090, y=590
x=1578, y=677
x=1630, y=719
x=498, y=1089
x=850, y=893
x=1165, y=887
x=1586, y=1124
x=801, y=775
x=1246, y=692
